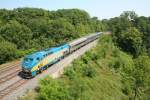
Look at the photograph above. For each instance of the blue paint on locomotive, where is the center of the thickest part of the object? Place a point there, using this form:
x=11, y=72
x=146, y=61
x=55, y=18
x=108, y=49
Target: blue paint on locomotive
x=30, y=60
x=56, y=49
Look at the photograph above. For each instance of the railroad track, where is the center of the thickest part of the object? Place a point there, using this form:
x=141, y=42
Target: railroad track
x=12, y=87
x=9, y=76
x=7, y=68
x=9, y=65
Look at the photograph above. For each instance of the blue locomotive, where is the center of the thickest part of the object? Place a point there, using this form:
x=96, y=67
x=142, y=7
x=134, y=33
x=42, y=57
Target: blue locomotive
x=41, y=60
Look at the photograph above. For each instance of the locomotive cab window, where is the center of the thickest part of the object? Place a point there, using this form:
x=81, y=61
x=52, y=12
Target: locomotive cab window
x=28, y=59
x=45, y=55
x=38, y=58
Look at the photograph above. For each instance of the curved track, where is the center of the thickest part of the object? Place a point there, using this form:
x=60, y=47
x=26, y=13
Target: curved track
x=8, y=72
x=8, y=68
x=9, y=76
x=12, y=87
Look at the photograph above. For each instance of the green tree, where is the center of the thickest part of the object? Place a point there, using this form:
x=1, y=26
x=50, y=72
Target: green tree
x=16, y=33
x=142, y=75
x=97, y=25
x=130, y=15
x=52, y=90
x=130, y=41
x=62, y=30
x=74, y=16
x=8, y=51
x=143, y=24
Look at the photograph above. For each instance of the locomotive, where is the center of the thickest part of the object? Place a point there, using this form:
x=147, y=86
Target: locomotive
x=37, y=62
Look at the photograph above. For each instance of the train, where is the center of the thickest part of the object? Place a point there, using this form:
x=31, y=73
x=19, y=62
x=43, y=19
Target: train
x=35, y=63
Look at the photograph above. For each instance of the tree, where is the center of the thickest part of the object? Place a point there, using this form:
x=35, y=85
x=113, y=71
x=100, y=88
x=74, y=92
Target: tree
x=74, y=16
x=143, y=24
x=8, y=51
x=97, y=25
x=142, y=74
x=52, y=90
x=130, y=41
x=130, y=15
x=62, y=30
x=16, y=33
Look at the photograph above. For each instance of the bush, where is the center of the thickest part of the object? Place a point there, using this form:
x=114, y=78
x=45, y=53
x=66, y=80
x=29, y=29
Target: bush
x=70, y=73
x=8, y=51
x=89, y=72
x=52, y=90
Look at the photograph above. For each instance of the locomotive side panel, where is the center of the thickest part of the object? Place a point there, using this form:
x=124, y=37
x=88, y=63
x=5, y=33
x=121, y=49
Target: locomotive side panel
x=50, y=59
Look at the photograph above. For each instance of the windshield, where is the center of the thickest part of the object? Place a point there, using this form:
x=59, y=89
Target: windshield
x=28, y=59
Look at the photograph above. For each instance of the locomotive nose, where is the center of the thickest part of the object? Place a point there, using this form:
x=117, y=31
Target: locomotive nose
x=27, y=65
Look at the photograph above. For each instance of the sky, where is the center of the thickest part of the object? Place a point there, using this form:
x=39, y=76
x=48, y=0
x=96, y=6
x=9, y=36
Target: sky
x=103, y=9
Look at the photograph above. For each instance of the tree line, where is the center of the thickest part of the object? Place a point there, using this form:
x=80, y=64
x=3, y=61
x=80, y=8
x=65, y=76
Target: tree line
x=24, y=30
x=131, y=32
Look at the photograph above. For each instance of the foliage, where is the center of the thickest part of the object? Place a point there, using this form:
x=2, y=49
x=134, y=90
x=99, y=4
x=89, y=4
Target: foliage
x=131, y=32
x=52, y=90
x=37, y=29
x=90, y=77
x=129, y=15
x=99, y=73
x=8, y=50
x=142, y=75
x=105, y=72
x=16, y=33
x=130, y=41
x=96, y=69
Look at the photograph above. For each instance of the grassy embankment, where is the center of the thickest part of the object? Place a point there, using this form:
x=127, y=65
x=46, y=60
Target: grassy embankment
x=100, y=74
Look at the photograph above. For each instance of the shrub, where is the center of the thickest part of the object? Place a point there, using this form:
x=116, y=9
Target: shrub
x=7, y=51
x=89, y=72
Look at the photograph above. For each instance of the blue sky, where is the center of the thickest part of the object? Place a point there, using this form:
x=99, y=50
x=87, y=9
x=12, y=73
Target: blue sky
x=100, y=8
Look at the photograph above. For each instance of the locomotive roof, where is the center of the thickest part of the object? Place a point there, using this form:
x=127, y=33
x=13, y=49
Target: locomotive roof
x=47, y=51
x=76, y=41
x=55, y=49
x=37, y=54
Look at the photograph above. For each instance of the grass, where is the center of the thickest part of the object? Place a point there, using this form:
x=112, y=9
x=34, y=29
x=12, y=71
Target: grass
x=94, y=76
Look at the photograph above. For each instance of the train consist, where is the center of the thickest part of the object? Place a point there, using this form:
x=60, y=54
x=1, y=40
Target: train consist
x=41, y=60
